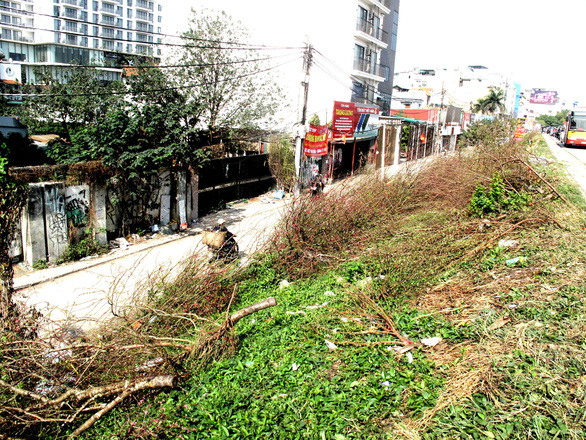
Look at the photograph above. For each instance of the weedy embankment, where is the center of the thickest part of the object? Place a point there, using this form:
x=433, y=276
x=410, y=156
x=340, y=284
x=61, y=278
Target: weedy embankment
x=444, y=302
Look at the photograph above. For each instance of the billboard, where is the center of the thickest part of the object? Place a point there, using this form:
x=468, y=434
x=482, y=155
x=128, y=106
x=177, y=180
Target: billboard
x=350, y=117
x=539, y=96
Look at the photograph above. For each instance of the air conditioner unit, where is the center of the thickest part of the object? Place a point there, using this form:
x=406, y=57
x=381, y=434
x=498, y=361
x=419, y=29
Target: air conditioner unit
x=11, y=73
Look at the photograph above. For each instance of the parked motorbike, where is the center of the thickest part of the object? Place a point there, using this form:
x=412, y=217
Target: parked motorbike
x=221, y=244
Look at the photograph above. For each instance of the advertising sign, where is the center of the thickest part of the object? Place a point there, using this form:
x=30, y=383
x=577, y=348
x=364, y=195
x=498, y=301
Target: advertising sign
x=343, y=119
x=520, y=130
x=543, y=97
x=316, y=141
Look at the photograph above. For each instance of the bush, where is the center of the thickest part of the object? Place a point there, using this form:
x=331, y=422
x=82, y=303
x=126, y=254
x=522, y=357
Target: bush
x=87, y=246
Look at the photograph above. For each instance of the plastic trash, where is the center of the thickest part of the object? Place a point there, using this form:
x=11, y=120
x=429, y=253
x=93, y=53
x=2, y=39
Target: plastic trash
x=431, y=342
x=508, y=243
x=279, y=194
x=330, y=345
x=513, y=261
x=329, y=293
x=295, y=366
x=284, y=284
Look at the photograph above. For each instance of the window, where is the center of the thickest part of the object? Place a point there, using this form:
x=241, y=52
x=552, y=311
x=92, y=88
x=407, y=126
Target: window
x=57, y=25
x=160, y=8
x=96, y=5
x=119, y=11
x=129, y=13
x=159, y=19
x=359, y=52
x=96, y=43
x=84, y=29
x=95, y=18
x=96, y=31
x=84, y=41
x=55, y=11
x=129, y=2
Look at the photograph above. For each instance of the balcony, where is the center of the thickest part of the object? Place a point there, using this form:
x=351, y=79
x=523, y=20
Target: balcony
x=143, y=4
x=108, y=21
x=108, y=9
x=368, y=28
x=366, y=66
x=107, y=33
x=143, y=16
x=72, y=3
x=71, y=14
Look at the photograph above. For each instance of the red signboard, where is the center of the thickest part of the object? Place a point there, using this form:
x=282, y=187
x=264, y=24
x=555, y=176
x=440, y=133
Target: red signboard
x=343, y=123
x=316, y=141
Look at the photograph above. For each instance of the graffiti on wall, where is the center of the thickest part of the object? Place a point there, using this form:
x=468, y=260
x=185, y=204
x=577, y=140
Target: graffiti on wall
x=56, y=217
x=77, y=205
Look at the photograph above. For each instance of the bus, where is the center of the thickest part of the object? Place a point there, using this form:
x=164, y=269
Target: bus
x=575, y=129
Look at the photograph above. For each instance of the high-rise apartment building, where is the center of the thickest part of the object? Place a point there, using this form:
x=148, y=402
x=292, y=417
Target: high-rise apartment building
x=55, y=33
x=375, y=43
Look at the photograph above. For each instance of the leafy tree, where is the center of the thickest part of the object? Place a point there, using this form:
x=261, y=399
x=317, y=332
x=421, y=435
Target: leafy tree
x=76, y=98
x=314, y=120
x=556, y=120
x=491, y=104
x=223, y=80
x=138, y=139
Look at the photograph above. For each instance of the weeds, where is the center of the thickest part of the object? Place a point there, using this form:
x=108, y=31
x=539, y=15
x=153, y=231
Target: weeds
x=375, y=268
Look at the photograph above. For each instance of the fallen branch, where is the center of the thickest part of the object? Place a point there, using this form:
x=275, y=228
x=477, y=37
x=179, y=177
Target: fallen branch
x=269, y=302
x=530, y=168
x=155, y=382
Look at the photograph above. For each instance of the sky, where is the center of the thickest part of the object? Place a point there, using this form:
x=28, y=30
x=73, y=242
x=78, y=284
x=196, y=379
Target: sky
x=536, y=42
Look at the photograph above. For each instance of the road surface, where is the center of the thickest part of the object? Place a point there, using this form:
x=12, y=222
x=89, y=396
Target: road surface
x=86, y=292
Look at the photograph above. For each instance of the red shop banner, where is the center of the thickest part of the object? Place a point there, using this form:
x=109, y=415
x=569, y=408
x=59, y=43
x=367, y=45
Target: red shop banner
x=343, y=123
x=316, y=141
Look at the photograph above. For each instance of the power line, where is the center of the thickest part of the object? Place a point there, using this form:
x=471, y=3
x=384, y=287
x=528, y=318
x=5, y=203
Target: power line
x=53, y=95
x=245, y=46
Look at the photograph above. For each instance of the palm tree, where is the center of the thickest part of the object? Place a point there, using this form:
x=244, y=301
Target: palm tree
x=492, y=104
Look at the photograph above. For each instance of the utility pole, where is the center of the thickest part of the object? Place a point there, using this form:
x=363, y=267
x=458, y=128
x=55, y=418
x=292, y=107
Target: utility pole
x=307, y=62
x=437, y=136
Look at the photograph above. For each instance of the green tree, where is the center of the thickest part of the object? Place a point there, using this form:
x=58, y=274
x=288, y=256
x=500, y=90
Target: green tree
x=556, y=120
x=138, y=139
x=491, y=104
x=223, y=78
x=77, y=97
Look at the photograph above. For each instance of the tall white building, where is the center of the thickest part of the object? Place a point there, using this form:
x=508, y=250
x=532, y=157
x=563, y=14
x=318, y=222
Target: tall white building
x=55, y=33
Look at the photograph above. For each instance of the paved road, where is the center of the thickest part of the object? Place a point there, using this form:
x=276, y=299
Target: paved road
x=88, y=291
x=573, y=158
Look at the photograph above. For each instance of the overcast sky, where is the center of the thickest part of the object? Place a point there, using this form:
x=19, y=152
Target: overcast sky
x=537, y=42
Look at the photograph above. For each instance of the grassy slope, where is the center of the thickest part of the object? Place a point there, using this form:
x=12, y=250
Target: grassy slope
x=511, y=363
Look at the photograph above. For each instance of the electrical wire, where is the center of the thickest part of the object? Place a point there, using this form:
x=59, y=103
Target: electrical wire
x=244, y=46
x=111, y=93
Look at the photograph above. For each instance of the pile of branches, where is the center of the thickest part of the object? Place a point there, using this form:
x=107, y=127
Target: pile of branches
x=319, y=232
x=63, y=380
